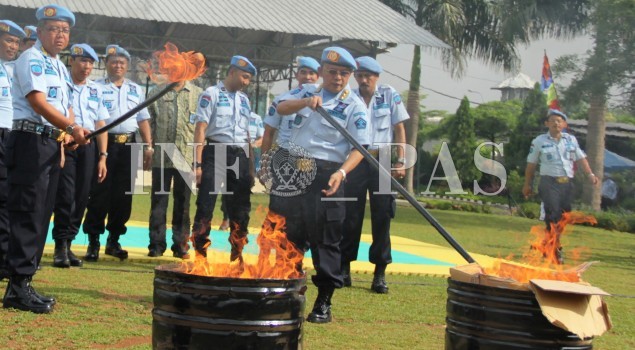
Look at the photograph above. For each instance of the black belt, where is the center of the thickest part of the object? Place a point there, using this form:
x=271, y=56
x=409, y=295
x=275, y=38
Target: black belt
x=561, y=179
x=327, y=164
x=121, y=138
x=50, y=132
x=231, y=148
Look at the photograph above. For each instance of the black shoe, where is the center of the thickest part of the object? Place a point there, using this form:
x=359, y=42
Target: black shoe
x=74, y=260
x=181, y=255
x=43, y=298
x=379, y=284
x=346, y=274
x=92, y=253
x=20, y=295
x=60, y=255
x=321, y=312
x=113, y=247
x=154, y=253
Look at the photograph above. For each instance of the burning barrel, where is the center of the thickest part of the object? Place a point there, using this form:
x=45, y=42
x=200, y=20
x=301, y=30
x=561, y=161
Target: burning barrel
x=492, y=318
x=203, y=312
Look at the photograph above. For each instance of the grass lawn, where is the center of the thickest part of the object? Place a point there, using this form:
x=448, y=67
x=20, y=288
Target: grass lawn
x=108, y=305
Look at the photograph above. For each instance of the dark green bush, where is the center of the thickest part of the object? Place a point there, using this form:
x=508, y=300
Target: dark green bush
x=530, y=209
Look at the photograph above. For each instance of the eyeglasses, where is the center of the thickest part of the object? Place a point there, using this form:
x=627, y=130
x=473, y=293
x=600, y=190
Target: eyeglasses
x=342, y=73
x=58, y=30
x=363, y=75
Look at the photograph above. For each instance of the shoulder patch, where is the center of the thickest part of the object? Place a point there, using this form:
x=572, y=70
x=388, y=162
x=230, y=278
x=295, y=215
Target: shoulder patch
x=205, y=100
x=360, y=123
x=396, y=98
x=36, y=69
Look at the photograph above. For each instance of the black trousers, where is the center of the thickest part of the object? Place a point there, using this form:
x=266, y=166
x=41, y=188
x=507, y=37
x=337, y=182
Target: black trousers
x=159, y=207
x=109, y=198
x=316, y=221
x=76, y=179
x=361, y=180
x=557, y=198
x=33, y=169
x=4, y=192
x=238, y=204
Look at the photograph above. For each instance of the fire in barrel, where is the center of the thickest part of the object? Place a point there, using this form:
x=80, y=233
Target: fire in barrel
x=535, y=305
x=256, y=304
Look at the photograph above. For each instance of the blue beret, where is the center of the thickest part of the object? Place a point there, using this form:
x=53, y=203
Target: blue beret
x=117, y=51
x=557, y=112
x=7, y=26
x=84, y=50
x=338, y=56
x=31, y=32
x=368, y=64
x=308, y=62
x=55, y=13
x=243, y=64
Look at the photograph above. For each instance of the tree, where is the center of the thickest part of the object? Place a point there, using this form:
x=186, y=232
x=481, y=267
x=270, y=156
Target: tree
x=493, y=121
x=487, y=30
x=463, y=143
x=609, y=65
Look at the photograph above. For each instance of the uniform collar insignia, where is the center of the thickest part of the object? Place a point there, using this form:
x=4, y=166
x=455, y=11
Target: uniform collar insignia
x=344, y=94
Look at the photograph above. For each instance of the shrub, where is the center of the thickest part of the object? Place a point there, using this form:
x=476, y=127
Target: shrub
x=530, y=209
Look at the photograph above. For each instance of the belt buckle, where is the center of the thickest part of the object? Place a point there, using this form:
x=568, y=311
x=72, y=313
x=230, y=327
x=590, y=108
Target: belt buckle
x=562, y=179
x=374, y=152
x=121, y=138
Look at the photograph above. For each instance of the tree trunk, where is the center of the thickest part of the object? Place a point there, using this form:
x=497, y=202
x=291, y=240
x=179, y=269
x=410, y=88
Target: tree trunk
x=592, y=195
x=412, y=125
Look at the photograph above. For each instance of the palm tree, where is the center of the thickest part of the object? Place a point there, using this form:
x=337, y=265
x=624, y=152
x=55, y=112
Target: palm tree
x=488, y=30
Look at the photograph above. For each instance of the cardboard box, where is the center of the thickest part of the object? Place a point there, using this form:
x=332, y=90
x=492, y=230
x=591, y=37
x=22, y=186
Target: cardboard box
x=574, y=306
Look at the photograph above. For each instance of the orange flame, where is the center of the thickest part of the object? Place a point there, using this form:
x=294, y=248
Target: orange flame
x=175, y=66
x=286, y=262
x=542, y=257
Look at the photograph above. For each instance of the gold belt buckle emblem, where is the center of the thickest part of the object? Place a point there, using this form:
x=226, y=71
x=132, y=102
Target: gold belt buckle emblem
x=121, y=138
x=562, y=180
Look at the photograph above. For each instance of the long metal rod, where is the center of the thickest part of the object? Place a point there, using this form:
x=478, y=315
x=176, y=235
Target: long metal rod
x=133, y=111
x=370, y=159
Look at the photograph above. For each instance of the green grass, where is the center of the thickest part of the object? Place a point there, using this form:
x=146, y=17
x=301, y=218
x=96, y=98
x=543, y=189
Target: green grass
x=108, y=304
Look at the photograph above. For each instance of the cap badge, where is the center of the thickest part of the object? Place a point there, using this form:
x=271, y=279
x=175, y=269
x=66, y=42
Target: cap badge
x=4, y=27
x=112, y=50
x=242, y=63
x=333, y=56
x=78, y=50
x=50, y=12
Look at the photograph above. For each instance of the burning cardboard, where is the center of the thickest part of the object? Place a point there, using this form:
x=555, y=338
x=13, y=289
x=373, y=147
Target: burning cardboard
x=574, y=306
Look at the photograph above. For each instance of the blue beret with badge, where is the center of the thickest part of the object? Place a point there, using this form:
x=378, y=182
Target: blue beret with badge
x=55, y=13
x=243, y=64
x=84, y=50
x=9, y=27
x=339, y=57
x=558, y=113
x=369, y=64
x=308, y=62
x=31, y=32
x=117, y=50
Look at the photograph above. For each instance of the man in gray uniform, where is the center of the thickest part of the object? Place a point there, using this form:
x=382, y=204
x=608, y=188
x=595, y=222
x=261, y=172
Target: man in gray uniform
x=315, y=216
x=10, y=35
x=386, y=115
x=42, y=119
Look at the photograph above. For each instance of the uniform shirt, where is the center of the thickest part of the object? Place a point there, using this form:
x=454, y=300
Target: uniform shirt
x=87, y=104
x=36, y=70
x=385, y=110
x=556, y=157
x=256, y=127
x=119, y=100
x=283, y=123
x=318, y=137
x=172, y=122
x=226, y=114
x=6, y=102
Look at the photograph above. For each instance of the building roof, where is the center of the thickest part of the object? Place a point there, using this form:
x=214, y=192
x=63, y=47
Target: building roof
x=520, y=81
x=319, y=19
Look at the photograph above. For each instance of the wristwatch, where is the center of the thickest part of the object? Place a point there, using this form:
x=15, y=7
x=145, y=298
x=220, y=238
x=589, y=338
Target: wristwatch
x=198, y=165
x=103, y=154
x=69, y=129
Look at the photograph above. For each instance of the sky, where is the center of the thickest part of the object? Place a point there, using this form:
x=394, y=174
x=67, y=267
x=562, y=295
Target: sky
x=479, y=78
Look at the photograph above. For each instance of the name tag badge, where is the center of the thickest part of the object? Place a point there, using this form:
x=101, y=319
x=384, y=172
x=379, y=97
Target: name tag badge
x=192, y=118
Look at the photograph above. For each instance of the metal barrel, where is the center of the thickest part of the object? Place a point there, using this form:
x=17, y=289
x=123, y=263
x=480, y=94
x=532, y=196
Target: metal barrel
x=201, y=312
x=491, y=318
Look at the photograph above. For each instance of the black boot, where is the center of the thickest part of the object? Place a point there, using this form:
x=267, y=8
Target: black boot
x=92, y=253
x=321, y=312
x=72, y=258
x=60, y=255
x=43, y=298
x=346, y=274
x=114, y=248
x=20, y=295
x=379, y=280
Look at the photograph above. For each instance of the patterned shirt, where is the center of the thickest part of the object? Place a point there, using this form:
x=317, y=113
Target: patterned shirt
x=172, y=122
